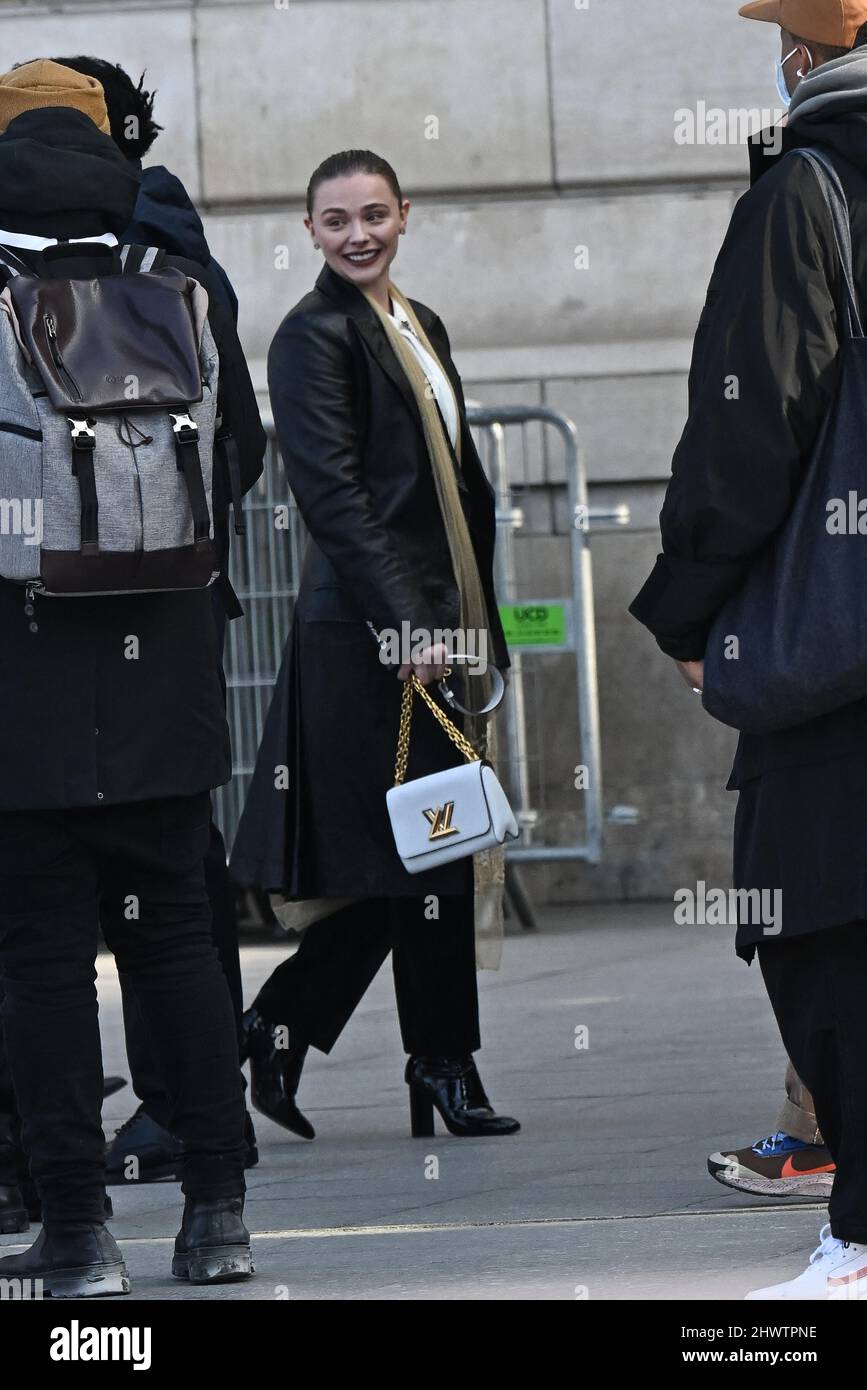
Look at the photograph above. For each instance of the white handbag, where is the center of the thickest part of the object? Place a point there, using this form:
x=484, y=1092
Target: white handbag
x=446, y=815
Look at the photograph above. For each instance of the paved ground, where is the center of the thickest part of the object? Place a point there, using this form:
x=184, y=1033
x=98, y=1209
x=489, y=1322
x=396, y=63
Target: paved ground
x=603, y=1195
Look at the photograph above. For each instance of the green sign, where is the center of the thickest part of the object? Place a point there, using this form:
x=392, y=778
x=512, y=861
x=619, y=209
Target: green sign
x=534, y=624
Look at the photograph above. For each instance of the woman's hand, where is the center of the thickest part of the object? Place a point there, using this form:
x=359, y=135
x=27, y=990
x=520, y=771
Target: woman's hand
x=430, y=667
x=693, y=673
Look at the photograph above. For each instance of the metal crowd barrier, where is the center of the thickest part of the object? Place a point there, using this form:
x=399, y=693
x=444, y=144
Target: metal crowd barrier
x=545, y=631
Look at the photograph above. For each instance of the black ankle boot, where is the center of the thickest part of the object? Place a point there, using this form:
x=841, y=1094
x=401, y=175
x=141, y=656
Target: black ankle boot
x=75, y=1261
x=274, y=1074
x=213, y=1244
x=454, y=1087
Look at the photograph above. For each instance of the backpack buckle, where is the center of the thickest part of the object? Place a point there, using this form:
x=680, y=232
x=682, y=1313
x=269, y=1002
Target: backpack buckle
x=185, y=429
x=83, y=435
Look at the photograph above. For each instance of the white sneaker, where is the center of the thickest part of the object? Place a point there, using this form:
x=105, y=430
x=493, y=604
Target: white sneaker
x=837, y=1271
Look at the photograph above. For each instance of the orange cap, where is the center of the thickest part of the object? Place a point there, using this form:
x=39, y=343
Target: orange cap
x=832, y=22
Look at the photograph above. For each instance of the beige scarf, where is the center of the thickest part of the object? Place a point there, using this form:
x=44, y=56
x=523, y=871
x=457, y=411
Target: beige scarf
x=489, y=865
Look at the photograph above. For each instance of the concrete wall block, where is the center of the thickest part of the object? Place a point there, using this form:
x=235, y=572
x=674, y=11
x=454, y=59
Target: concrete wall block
x=669, y=56
x=380, y=74
x=469, y=262
x=629, y=427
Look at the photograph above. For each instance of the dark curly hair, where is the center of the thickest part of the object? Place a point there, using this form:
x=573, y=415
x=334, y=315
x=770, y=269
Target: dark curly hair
x=351, y=162
x=123, y=99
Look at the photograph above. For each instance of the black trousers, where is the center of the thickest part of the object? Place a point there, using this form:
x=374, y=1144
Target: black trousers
x=138, y=871
x=147, y=1079
x=818, y=988
x=315, y=992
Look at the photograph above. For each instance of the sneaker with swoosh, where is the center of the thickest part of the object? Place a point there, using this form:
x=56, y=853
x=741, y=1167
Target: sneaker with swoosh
x=837, y=1272
x=779, y=1166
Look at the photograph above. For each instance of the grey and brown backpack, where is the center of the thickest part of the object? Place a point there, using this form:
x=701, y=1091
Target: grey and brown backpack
x=108, y=416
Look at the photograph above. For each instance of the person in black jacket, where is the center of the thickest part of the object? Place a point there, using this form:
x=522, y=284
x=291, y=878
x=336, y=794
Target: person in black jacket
x=164, y=216
x=352, y=439
x=764, y=374
x=108, y=765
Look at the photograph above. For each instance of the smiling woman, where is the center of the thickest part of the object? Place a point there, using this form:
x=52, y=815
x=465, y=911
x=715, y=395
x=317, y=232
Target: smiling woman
x=357, y=224
x=370, y=418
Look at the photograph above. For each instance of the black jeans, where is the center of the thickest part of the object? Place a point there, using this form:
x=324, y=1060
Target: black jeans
x=137, y=869
x=315, y=992
x=818, y=988
x=147, y=1079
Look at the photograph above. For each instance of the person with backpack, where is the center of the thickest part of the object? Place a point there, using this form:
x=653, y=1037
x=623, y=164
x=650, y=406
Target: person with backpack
x=114, y=367
x=164, y=216
x=776, y=413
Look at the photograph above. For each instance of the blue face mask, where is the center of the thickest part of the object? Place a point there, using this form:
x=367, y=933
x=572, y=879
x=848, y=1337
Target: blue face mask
x=785, y=95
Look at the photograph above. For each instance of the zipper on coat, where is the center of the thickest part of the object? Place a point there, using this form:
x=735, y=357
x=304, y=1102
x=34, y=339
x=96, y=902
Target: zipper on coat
x=51, y=330
x=6, y=427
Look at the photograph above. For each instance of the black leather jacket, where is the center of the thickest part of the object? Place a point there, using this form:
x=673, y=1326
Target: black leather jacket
x=352, y=440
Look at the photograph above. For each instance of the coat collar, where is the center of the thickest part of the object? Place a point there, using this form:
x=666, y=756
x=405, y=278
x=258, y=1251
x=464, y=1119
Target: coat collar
x=351, y=301
x=767, y=148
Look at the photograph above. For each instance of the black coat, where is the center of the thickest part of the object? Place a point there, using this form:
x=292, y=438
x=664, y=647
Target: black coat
x=351, y=437
x=80, y=725
x=770, y=322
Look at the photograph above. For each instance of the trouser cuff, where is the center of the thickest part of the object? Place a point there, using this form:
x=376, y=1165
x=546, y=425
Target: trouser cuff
x=801, y=1124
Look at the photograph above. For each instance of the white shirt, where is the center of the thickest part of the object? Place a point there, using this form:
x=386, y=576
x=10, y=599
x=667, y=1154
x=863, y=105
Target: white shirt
x=439, y=382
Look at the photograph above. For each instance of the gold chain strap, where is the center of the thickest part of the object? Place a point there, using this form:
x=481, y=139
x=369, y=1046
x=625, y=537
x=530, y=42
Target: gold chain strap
x=457, y=738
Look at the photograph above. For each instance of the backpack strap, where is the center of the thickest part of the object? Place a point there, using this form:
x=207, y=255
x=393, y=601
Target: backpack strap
x=83, y=445
x=141, y=259
x=186, y=433
x=226, y=447
x=12, y=264
x=838, y=206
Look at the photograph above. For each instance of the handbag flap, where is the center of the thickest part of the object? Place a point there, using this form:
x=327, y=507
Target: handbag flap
x=445, y=808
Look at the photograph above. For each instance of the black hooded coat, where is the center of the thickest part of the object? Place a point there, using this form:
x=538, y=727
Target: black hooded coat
x=80, y=724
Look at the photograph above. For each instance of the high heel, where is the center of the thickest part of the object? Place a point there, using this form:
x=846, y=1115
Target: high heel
x=421, y=1112
x=275, y=1073
x=454, y=1087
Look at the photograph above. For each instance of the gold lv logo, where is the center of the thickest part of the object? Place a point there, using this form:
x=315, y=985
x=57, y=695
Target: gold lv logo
x=441, y=821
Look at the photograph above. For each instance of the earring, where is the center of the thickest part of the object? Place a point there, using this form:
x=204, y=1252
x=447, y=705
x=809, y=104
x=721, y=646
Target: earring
x=316, y=246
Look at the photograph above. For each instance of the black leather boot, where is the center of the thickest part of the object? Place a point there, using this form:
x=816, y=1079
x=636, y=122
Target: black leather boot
x=213, y=1244
x=75, y=1261
x=454, y=1087
x=274, y=1074
x=142, y=1151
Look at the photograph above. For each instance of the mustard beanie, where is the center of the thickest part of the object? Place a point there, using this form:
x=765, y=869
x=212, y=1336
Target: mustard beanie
x=44, y=83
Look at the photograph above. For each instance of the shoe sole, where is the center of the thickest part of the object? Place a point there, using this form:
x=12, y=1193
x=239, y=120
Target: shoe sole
x=94, y=1281
x=223, y=1264
x=811, y=1186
